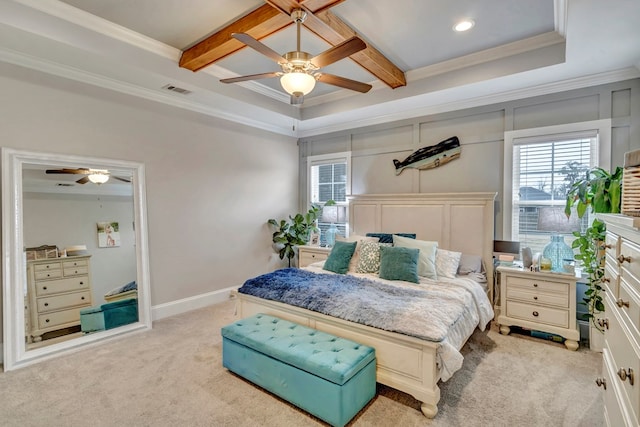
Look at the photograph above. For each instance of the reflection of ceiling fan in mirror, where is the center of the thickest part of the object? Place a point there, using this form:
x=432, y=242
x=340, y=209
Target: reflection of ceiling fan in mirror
x=299, y=69
x=97, y=176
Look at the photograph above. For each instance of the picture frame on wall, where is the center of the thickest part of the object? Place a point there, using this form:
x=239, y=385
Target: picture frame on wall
x=108, y=234
x=314, y=239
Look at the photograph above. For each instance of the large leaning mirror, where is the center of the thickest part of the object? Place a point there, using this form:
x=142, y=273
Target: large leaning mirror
x=74, y=245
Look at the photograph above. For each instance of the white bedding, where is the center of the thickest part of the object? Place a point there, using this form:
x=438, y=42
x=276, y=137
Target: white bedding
x=478, y=314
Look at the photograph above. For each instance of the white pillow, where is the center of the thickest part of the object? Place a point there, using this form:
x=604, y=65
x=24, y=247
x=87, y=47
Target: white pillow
x=447, y=263
x=427, y=258
x=353, y=264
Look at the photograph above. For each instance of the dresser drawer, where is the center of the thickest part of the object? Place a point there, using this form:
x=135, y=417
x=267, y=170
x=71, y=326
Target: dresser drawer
x=58, y=302
x=546, y=298
x=630, y=315
x=631, y=266
x=75, y=263
x=536, y=285
x=48, y=266
x=74, y=271
x=62, y=285
x=625, y=356
x=533, y=313
x=50, y=274
x=615, y=415
x=308, y=257
x=59, y=318
x=611, y=279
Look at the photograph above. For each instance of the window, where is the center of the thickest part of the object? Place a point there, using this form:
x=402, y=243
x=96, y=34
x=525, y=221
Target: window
x=329, y=178
x=540, y=167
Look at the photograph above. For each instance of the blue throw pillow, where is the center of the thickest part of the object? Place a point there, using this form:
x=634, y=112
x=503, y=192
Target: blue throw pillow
x=398, y=263
x=388, y=237
x=338, y=260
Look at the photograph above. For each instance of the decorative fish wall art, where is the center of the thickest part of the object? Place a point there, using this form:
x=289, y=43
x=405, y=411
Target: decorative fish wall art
x=431, y=156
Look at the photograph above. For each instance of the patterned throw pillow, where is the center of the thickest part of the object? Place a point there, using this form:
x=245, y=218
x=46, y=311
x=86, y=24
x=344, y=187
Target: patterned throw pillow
x=447, y=263
x=369, y=259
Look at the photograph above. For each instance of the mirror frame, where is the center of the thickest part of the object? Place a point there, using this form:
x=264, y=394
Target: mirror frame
x=14, y=267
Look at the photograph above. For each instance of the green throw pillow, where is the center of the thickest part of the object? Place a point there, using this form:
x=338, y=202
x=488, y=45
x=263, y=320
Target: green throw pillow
x=397, y=263
x=338, y=260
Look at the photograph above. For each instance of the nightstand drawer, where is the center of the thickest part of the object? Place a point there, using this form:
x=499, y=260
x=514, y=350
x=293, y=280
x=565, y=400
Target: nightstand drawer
x=533, y=284
x=546, y=298
x=533, y=313
x=307, y=258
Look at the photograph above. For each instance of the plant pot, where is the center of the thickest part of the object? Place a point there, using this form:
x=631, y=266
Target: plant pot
x=596, y=338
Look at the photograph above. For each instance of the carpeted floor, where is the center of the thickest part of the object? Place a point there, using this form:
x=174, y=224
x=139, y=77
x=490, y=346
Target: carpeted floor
x=173, y=376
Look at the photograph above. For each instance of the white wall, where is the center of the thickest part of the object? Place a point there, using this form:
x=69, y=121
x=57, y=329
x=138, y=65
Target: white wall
x=481, y=132
x=66, y=220
x=211, y=185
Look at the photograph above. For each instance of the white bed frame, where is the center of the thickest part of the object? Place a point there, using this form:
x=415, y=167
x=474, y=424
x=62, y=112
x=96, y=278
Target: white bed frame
x=462, y=222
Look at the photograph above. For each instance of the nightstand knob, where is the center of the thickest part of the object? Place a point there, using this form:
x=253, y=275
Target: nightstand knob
x=622, y=259
x=604, y=323
x=535, y=313
x=621, y=303
x=535, y=285
x=601, y=382
x=626, y=373
x=605, y=280
x=535, y=298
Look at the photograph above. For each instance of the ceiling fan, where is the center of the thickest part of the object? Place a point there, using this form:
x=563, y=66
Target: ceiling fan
x=97, y=176
x=299, y=69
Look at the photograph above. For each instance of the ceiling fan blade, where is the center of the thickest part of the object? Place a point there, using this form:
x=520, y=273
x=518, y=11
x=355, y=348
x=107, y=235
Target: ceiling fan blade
x=259, y=46
x=79, y=171
x=83, y=180
x=344, y=82
x=250, y=77
x=121, y=179
x=338, y=52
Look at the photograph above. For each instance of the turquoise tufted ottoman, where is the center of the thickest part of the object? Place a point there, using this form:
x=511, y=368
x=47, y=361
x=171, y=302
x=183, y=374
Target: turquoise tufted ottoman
x=332, y=378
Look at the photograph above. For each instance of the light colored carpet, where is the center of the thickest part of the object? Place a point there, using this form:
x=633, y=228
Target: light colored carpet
x=173, y=376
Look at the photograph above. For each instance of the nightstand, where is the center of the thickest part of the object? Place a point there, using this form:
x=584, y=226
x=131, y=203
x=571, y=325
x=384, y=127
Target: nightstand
x=310, y=254
x=541, y=301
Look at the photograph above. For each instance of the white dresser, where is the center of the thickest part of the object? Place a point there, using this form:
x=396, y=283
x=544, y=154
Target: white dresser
x=621, y=322
x=310, y=254
x=57, y=289
x=539, y=301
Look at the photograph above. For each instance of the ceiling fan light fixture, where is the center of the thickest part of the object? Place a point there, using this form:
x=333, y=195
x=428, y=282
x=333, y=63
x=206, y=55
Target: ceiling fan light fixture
x=464, y=25
x=297, y=81
x=98, y=178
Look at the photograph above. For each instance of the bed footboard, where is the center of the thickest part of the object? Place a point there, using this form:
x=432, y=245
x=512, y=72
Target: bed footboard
x=405, y=363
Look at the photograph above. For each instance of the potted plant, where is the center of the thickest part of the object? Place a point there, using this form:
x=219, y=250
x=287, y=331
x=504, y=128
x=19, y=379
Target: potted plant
x=295, y=230
x=600, y=192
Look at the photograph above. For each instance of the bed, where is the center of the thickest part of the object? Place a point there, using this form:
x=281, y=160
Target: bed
x=461, y=222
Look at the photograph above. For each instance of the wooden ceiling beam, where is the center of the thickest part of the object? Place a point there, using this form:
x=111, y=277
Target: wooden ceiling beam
x=334, y=30
x=259, y=23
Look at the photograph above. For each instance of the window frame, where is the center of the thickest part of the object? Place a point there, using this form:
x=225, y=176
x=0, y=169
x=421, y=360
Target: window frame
x=545, y=134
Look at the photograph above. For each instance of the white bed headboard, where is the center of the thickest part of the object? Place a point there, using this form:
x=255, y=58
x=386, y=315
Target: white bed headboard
x=462, y=222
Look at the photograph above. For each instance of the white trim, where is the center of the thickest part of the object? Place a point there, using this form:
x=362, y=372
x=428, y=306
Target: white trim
x=184, y=305
x=603, y=127
x=327, y=159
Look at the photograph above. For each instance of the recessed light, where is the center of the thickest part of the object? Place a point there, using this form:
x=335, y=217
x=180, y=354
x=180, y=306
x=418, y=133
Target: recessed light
x=464, y=25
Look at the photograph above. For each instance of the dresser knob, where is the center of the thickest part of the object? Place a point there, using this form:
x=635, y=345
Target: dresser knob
x=44, y=288
x=608, y=246
x=535, y=313
x=623, y=258
x=535, y=285
x=621, y=303
x=601, y=382
x=47, y=320
x=46, y=266
x=535, y=298
x=82, y=283
x=604, y=323
x=626, y=373
x=82, y=298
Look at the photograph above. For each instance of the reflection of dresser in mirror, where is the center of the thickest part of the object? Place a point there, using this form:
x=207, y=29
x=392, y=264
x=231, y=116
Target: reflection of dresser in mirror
x=57, y=289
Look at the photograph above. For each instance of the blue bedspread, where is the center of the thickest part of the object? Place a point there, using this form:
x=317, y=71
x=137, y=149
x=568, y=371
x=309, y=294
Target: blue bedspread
x=426, y=313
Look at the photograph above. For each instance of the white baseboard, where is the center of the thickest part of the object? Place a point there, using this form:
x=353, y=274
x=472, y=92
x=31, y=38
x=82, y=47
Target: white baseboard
x=192, y=303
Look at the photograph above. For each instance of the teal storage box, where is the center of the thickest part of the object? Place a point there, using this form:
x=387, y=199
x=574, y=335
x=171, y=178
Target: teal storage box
x=330, y=377
x=109, y=316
